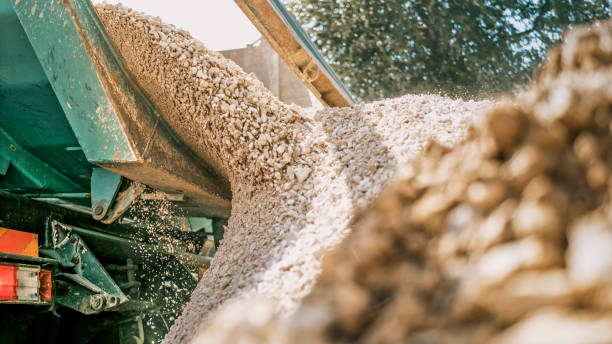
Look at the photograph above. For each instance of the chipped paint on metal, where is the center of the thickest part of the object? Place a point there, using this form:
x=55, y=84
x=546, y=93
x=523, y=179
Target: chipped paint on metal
x=61, y=46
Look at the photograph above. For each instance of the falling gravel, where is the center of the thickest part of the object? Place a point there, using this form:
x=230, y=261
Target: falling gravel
x=297, y=175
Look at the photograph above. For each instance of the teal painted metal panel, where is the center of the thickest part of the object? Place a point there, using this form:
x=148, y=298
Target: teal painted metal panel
x=4, y=165
x=59, y=46
x=30, y=112
x=36, y=174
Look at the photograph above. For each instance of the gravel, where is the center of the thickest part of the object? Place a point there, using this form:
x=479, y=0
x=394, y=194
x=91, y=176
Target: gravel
x=505, y=238
x=297, y=175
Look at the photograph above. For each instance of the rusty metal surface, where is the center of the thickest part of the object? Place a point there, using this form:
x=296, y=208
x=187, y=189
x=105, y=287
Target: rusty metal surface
x=298, y=52
x=123, y=201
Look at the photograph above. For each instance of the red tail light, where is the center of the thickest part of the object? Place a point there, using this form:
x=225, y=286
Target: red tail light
x=8, y=282
x=46, y=285
x=24, y=283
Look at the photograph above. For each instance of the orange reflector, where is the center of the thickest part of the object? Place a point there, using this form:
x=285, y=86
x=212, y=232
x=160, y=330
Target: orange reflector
x=18, y=242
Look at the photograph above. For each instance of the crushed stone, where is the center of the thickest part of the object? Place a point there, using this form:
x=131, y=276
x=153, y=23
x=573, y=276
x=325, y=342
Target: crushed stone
x=297, y=175
x=505, y=238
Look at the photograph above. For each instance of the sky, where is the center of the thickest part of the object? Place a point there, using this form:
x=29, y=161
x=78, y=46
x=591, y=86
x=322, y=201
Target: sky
x=219, y=24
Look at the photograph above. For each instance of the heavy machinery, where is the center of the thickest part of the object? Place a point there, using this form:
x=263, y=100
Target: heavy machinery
x=106, y=216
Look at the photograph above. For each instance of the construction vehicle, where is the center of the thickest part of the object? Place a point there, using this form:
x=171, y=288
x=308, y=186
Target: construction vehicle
x=85, y=255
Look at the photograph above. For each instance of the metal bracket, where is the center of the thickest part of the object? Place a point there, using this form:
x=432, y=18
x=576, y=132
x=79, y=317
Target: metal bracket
x=104, y=187
x=123, y=201
x=108, y=203
x=90, y=289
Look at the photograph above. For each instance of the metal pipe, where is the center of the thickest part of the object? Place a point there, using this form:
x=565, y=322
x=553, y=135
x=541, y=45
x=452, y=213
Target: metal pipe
x=82, y=195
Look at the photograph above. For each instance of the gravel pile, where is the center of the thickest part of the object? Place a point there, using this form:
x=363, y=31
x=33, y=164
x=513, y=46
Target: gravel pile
x=297, y=175
x=506, y=238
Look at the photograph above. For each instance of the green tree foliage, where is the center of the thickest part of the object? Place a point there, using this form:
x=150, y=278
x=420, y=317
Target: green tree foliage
x=385, y=48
